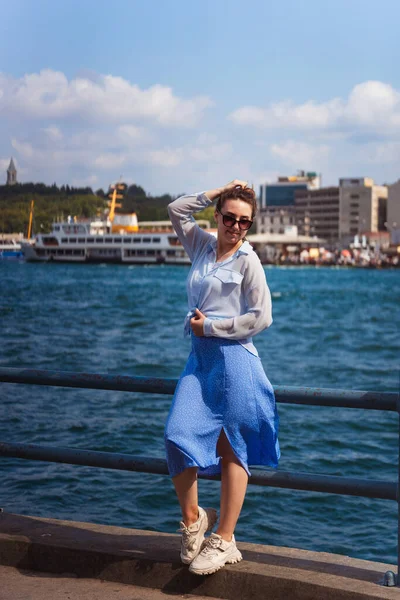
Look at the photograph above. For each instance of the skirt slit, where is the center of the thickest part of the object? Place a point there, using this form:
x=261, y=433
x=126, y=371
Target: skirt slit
x=223, y=387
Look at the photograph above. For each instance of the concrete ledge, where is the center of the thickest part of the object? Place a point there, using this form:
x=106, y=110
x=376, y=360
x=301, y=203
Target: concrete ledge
x=150, y=559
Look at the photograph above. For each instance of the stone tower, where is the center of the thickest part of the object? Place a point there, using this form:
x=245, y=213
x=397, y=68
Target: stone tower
x=11, y=173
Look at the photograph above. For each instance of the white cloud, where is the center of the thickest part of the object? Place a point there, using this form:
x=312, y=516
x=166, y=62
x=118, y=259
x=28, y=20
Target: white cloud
x=383, y=153
x=53, y=132
x=5, y=163
x=50, y=95
x=25, y=149
x=299, y=153
x=164, y=158
x=109, y=160
x=129, y=134
x=371, y=106
x=211, y=152
x=89, y=181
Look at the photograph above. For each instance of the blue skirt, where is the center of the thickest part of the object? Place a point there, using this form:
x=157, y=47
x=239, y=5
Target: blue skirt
x=223, y=387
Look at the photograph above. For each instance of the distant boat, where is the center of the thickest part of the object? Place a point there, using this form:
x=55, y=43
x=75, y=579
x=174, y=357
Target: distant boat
x=87, y=241
x=94, y=242
x=10, y=249
x=117, y=238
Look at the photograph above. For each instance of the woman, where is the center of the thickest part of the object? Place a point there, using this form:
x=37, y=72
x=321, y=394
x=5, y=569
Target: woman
x=223, y=416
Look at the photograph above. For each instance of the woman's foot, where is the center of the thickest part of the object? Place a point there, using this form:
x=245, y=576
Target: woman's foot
x=193, y=536
x=215, y=553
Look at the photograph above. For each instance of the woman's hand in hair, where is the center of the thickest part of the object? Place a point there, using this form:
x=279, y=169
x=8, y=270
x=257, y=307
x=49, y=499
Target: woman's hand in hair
x=214, y=194
x=234, y=184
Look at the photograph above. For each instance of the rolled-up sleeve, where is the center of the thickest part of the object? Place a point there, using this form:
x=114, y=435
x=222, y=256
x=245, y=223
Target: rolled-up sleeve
x=258, y=315
x=191, y=236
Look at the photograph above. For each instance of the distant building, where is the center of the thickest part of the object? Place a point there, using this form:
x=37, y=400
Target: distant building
x=363, y=207
x=393, y=212
x=275, y=219
x=11, y=174
x=317, y=212
x=281, y=193
x=277, y=201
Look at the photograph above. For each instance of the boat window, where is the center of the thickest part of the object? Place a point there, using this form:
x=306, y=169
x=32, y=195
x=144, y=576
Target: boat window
x=81, y=240
x=90, y=240
x=117, y=240
x=151, y=252
x=137, y=240
x=171, y=252
x=72, y=240
x=156, y=240
x=146, y=239
x=141, y=252
x=49, y=240
x=64, y=240
x=99, y=240
x=57, y=228
x=108, y=240
x=127, y=240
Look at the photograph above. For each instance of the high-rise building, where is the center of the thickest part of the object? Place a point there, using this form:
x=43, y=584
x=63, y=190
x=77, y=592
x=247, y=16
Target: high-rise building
x=277, y=201
x=317, y=213
x=393, y=212
x=282, y=192
x=11, y=173
x=363, y=206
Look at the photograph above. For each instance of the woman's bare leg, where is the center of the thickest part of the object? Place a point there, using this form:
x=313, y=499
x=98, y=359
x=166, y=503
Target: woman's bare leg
x=233, y=488
x=186, y=489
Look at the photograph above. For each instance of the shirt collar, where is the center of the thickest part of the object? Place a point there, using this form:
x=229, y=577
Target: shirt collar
x=245, y=248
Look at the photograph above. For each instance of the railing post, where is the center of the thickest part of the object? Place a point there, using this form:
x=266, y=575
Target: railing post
x=398, y=500
x=390, y=578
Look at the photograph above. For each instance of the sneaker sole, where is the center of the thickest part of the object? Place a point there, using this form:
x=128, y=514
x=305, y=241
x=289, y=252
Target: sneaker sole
x=212, y=517
x=237, y=557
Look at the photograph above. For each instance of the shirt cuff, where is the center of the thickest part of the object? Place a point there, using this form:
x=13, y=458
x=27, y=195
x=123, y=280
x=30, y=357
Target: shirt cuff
x=204, y=199
x=207, y=327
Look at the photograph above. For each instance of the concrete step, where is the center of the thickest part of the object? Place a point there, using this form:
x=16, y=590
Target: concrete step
x=19, y=584
x=151, y=560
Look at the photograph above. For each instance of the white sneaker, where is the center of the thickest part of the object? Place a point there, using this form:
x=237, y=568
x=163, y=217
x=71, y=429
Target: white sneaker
x=215, y=553
x=193, y=536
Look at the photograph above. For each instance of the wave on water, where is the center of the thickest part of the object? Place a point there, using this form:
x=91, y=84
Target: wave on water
x=332, y=328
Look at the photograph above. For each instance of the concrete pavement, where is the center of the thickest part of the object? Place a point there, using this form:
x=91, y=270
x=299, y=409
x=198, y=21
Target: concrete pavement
x=32, y=585
x=150, y=560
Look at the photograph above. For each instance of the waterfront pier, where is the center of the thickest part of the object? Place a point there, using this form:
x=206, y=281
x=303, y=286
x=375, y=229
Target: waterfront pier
x=149, y=561
x=76, y=553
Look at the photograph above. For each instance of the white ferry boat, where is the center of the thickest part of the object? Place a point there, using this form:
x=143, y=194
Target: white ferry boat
x=118, y=238
x=95, y=241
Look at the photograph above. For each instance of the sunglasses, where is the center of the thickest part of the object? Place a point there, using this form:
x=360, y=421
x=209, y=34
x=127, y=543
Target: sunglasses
x=228, y=221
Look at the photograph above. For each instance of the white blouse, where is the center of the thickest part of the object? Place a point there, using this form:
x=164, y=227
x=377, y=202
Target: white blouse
x=233, y=294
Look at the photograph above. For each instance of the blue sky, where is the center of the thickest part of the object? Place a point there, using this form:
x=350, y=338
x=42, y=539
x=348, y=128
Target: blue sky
x=183, y=95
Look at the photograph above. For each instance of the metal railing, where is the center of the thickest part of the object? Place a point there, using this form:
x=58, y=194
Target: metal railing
x=389, y=401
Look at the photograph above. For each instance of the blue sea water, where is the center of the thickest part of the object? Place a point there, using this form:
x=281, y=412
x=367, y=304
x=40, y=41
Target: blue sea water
x=333, y=328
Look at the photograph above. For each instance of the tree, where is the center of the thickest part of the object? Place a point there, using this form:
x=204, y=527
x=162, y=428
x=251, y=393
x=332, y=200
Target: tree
x=135, y=191
x=207, y=214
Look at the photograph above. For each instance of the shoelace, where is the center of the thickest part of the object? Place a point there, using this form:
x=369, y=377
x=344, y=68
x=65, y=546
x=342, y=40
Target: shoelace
x=211, y=545
x=188, y=538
